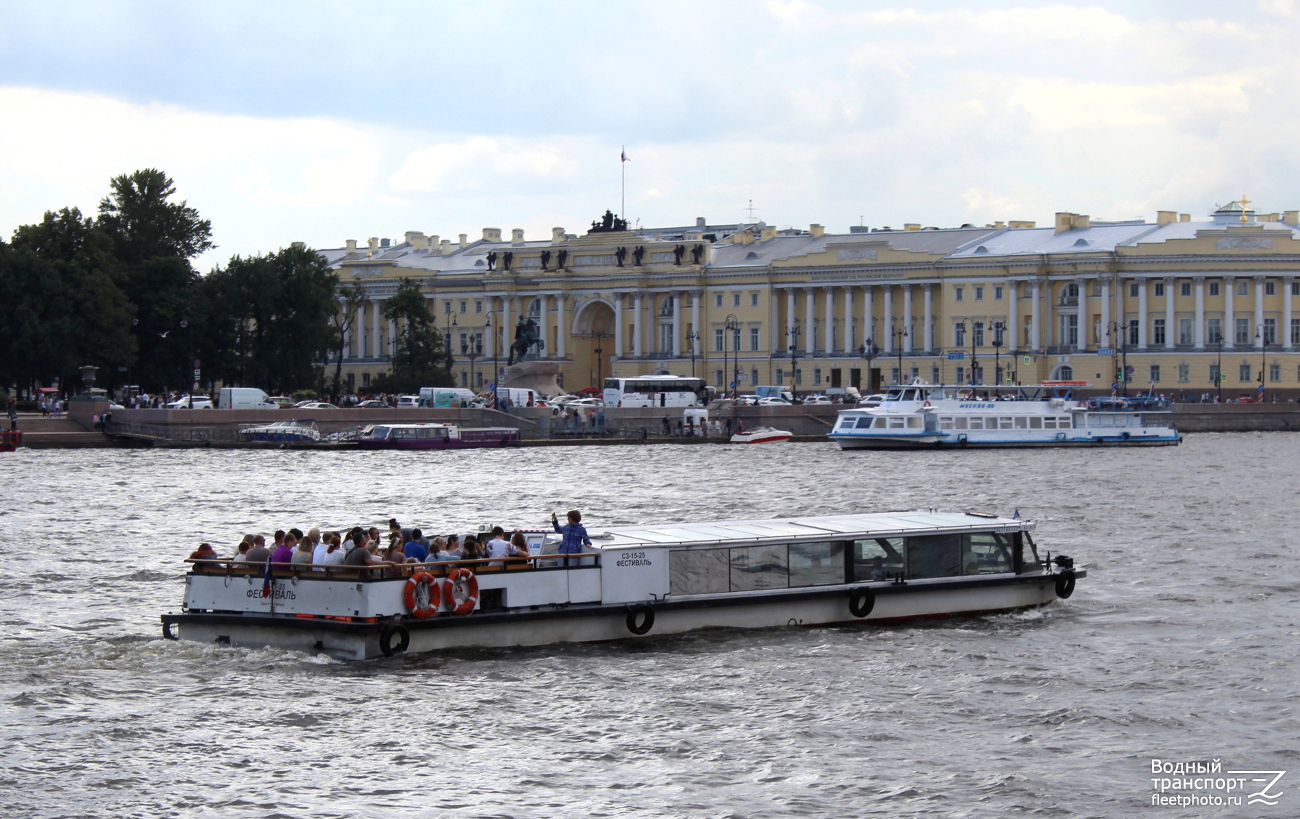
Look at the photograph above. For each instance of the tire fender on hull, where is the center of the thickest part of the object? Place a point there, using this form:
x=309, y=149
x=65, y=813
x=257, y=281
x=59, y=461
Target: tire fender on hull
x=861, y=601
x=1065, y=584
x=640, y=618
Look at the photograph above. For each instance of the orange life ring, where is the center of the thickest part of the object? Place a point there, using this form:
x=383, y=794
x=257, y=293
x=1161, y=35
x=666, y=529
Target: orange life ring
x=432, y=597
x=927, y=403
x=461, y=591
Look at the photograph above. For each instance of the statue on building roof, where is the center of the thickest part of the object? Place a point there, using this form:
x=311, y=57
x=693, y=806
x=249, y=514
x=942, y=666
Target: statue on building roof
x=697, y=253
x=492, y=260
x=546, y=259
x=560, y=258
x=620, y=255
x=638, y=255
x=677, y=253
x=507, y=259
x=609, y=223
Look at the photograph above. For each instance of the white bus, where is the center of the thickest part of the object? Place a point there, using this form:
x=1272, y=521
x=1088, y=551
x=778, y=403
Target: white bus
x=655, y=391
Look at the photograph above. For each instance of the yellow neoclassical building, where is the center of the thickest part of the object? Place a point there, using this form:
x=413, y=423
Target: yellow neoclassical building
x=1189, y=306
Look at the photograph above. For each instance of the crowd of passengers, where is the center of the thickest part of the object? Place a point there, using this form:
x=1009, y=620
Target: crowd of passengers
x=364, y=548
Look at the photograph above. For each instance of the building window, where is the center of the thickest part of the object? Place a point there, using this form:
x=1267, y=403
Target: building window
x=1185, y=289
x=1132, y=331
x=464, y=341
x=1214, y=374
x=719, y=340
x=1214, y=330
x=753, y=339
x=893, y=375
x=753, y=376
x=1184, y=373
x=979, y=294
x=798, y=376
x=916, y=373
x=735, y=299
x=1243, y=372
x=718, y=377
x=977, y=334
x=1159, y=289
x=1270, y=331
x=1214, y=288
x=1158, y=331
x=1242, y=334
x=1133, y=290
x=959, y=335
x=464, y=307
x=464, y=378
x=780, y=376
x=447, y=307
x=1155, y=373
x=1070, y=291
x=1295, y=288
x=997, y=293
x=817, y=376
x=958, y=293
x=1184, y=331
x=1243, y=288
x=753, y=299
x=1295, y=331
x=959, y=375
x=717, y=299
x=999, y=334
x=1275, y=372
x=1270, y=288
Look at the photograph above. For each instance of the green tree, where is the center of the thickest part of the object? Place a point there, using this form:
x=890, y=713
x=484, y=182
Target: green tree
x=421, y=358
x=351, y=296
x=144, y=224
x=273, y=328
x=36, y=322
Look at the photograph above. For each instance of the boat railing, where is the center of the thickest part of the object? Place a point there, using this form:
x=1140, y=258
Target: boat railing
x=387, y=570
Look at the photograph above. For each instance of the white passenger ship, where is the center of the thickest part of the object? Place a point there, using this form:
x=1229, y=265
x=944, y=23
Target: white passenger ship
x=644, y=580
x=938, y=416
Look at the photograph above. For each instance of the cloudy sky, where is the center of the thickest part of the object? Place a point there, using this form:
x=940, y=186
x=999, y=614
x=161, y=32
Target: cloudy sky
x=325, y=121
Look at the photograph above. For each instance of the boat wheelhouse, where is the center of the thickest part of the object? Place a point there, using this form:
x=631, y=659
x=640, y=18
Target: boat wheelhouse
x=637, y=580
x=435, y=436
x=937, y=416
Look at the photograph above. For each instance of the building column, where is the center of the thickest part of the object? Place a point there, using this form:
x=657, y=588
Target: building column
x=544, y=307
x=637, y=349
x=618, y=324
x=1259, y=312
x=789, y=320
x=392, y=337
x=1144, y=330
x=1083, y=316
x=359, y=332
x=887, y=323
x=1013, y=317
x=868, y=317
x=695, y=323
x=1035, y=328
x=1170, y=332
x=1285, y=330
x=1229, y=312
x=677, y=324
x=1104, y=338
x=850, y=338
x=506, y=338
x=909, y=338
x=561, y=327
x=828, y=293
x=374, y=328
x=1199, y=329
x=927, y=339
x=809, y=343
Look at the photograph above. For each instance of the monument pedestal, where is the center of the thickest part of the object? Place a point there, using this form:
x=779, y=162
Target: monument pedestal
x=538, y=376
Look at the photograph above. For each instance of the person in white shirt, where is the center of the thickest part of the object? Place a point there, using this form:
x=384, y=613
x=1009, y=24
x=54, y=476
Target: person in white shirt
x=498, y=546
x=319, y=547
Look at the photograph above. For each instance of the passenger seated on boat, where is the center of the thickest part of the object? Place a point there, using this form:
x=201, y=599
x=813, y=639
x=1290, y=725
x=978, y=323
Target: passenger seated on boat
x=473, y=550
x=498, y=546
x=574, y=534
x=519, y=551
x=303, y=554
x=259, y=554
x=319, y=545
x=204, y=552
x=334, y=553
x=448, y=549
x=878, y=569
x=241, y=551
x=363, y=555
x=284, y=551
x=414, y=549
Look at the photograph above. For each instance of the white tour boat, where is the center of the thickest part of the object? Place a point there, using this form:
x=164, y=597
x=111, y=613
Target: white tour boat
x=761, y=435
x=936, y=416
x=302, y=431
x=638, y=580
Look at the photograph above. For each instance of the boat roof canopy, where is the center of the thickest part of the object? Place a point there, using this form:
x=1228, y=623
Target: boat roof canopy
x=810, y=529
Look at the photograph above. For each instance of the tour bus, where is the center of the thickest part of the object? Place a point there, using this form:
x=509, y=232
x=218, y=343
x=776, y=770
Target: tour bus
x=655, y=391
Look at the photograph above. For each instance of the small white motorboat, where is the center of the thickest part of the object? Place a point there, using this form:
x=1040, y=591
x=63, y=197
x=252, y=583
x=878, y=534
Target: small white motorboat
x=761, y=435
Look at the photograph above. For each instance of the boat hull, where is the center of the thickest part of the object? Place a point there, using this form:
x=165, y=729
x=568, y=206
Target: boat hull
x=893, y=603
x=970, y=442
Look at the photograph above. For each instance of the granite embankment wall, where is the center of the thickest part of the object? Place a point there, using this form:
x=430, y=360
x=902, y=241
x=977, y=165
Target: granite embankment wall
x=536, y=424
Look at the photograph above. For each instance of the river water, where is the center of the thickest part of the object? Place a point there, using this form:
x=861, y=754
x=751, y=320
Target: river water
x=1180, y=645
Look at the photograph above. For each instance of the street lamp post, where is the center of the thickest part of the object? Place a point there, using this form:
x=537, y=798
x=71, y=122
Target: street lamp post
x=869, y=351
x=451, y=350
x=1121, y=372
x=691, y=338
x=1218, y=381
x=472, y=351
x=793, y=334
x=735, y=357
x=898, y=334
x=730, y=325
x=488, y=324
x=998, y=329
x=600, y=336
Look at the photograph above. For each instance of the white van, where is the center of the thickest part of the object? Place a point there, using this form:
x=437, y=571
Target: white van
x=519, y=397
x=445, y=397
x=244, y=398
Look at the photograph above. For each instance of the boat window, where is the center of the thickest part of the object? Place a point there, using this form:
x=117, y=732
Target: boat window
x=1006, y=423
x=989, y=553
x=1035, y=422
x=379, y=432
x=816, y=564
x=1049, y=422
x=877, y=559
x=1022, y=422
x=893, y=395
x=698, y=572
x=423, y=432
x=977, y=423
x=914, y=422
x=759, y=567
x=945, y=422
x=959, y=423
x=897, y=422
x=1029, y=554
x=934, y=556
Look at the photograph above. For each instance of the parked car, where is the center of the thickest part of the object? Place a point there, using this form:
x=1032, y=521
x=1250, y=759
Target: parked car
x=191, y=402
x=772, y=401
x=818, y=399
x=316, y=405
x=372, y=403
x=872, y=400
x=748, y=400
x=282, y=401
x=408, y=401
x=585, y=403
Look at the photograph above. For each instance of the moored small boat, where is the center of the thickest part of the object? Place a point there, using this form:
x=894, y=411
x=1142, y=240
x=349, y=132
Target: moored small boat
x=283, y=432
x=661, y=578
x=435, y=436
x=10, y=440
x=761, y=435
